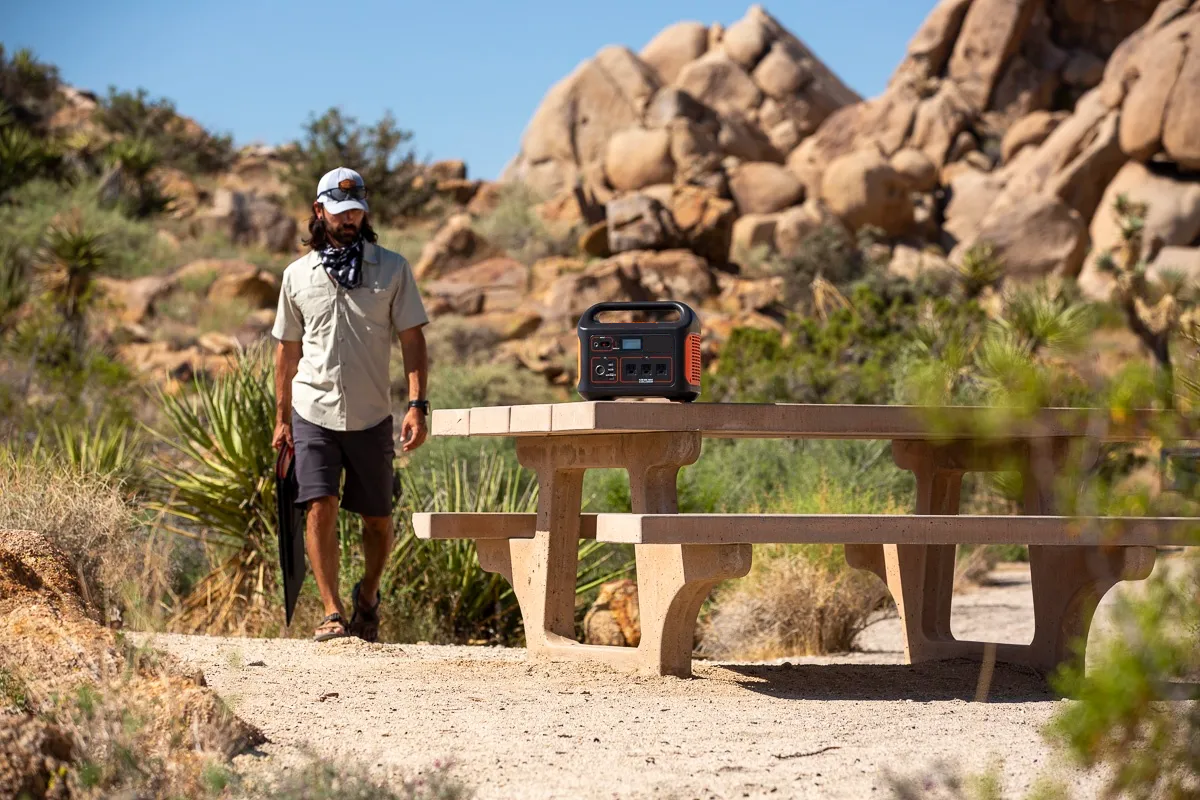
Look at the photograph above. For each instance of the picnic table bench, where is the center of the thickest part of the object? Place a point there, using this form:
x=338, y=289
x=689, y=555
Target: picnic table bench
x=681, y=557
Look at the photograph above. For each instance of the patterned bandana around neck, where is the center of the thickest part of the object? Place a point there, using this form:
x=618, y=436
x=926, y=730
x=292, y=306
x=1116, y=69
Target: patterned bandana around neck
x=344, y=264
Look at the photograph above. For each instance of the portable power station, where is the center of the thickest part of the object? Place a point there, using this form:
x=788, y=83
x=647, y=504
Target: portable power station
x=639, y=359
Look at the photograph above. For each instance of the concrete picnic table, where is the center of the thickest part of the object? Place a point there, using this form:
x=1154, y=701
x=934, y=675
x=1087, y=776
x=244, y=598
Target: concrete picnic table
x=681, y=557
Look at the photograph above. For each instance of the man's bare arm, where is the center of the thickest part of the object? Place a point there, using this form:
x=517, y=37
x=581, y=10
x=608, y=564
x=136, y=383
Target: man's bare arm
x=416, y=365
x=287, y=361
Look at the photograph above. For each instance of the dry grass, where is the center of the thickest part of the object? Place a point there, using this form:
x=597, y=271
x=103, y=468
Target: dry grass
x=797, y=601
x=121, y=567
x=106, y=719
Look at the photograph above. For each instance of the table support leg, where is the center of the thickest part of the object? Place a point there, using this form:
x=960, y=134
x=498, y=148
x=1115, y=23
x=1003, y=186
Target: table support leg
x=921, y=577
x=673, y=580
x=1069, y=582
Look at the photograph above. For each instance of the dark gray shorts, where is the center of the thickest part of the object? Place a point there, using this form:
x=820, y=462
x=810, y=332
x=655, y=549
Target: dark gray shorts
x=365, y=456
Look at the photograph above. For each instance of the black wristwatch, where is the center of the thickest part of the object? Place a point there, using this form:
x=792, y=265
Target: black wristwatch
x=421, y=404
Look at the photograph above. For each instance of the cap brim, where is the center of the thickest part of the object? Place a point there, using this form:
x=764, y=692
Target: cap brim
x=344, y=205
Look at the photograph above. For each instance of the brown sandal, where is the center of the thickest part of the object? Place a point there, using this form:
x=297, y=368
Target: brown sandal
x=332, y=627
x=365, y=622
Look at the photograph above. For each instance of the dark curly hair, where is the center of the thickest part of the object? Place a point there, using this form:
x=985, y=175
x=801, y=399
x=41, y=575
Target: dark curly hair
x=318, y=237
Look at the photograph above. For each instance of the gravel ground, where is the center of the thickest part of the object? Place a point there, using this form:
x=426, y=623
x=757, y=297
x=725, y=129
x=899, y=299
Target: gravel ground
x=832, y=727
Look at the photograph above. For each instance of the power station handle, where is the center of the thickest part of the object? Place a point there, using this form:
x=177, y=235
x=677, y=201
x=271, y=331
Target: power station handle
x=685, y=313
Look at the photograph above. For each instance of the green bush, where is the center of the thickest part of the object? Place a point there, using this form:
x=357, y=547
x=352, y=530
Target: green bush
x=28, y=88
x=516, y=228
x=133, y=246
x=180, y=142
x=337, y=140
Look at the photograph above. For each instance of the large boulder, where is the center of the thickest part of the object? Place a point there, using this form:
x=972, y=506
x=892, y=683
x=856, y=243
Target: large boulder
x=762, y=188
x=134, y=299
x=1155, y=74
x=916, y=168
x=704, y=221
x=720, y=83
x=671, y=274
x=455, y=246
x=248, y=284
x=571, y=128
x=1029, y=131
x=972, y=194
x=248, y=219
x=639, y=222
x=490, y=286
x=1040, y=237
x=753, y=231
x=864, y=189
x=614, y=619
x=1172, y=219
x=796, y=224
x=638, y=157
x=675, y=47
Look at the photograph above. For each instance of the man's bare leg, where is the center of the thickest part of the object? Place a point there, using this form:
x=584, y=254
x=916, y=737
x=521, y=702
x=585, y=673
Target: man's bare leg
x=378, y=538
x=320, y=539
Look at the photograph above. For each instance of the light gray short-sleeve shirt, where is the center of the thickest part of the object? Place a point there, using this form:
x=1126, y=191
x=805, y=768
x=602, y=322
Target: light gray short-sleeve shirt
x=343, y=381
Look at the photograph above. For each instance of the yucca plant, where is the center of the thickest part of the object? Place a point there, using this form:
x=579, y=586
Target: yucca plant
x=13, y=288
x=219, y=481
x=23, y=157
x=131, y=162
x=442, y=582
x=70, y=256
x=980, y=269
x=109, y=448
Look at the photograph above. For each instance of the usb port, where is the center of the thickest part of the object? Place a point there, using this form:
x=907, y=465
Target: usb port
x=631, y=369
x=646, y=369
x=660, y=370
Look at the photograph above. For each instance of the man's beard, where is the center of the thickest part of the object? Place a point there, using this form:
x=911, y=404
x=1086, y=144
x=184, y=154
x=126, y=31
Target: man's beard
x=344, y=234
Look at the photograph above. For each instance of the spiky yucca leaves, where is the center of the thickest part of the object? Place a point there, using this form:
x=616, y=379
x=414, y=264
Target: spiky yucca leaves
x=23, y=157
x=436, y=589
x=980, y=269
x=70, y=256
x=217, y=487
x=13, y=288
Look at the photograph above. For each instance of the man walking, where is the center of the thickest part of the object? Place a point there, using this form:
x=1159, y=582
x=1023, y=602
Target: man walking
x=338, y=309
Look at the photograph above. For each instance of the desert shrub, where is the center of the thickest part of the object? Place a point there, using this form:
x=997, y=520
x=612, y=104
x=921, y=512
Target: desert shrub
x=180, y=142
x=133, y=246
x=515, y=227
x=322, y=779
x=24, y=156
x=90, y=518
x=213, y=483
x=335, y=139
x=1131, y=718
x=798, y=600
x=129, y=185
x=127, y=721
x=28, y=87
x=408, y=242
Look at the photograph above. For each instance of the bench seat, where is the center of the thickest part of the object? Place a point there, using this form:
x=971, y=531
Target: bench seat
x=487, y=525
x=894, y=529
x=826, y=529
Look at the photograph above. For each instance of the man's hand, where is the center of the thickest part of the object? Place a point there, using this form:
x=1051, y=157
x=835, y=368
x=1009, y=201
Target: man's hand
x=413, y=430
x=283, y=435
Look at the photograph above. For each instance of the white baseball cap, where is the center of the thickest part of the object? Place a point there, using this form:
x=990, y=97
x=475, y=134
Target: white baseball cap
x=342, y=189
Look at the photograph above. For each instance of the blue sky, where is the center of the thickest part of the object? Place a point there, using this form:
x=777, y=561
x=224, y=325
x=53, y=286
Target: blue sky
x=463, y=75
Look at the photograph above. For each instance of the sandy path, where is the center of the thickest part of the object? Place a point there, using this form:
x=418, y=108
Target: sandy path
x=813, y=727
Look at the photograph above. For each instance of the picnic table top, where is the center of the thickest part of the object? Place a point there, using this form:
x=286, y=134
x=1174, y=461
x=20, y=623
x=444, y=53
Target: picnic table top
x=792, y=420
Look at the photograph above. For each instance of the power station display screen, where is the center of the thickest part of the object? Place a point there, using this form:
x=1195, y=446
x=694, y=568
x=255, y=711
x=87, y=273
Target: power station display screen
x=631, y=344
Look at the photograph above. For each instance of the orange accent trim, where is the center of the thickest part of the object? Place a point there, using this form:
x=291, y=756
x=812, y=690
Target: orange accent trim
x=692, y=359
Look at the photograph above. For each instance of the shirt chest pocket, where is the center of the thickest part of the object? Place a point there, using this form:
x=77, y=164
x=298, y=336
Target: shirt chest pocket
x=372, y=303
x=316, y=304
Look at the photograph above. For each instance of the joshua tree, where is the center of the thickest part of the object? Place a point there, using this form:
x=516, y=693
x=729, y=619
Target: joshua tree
x=1156, y=310
x=71, y=255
